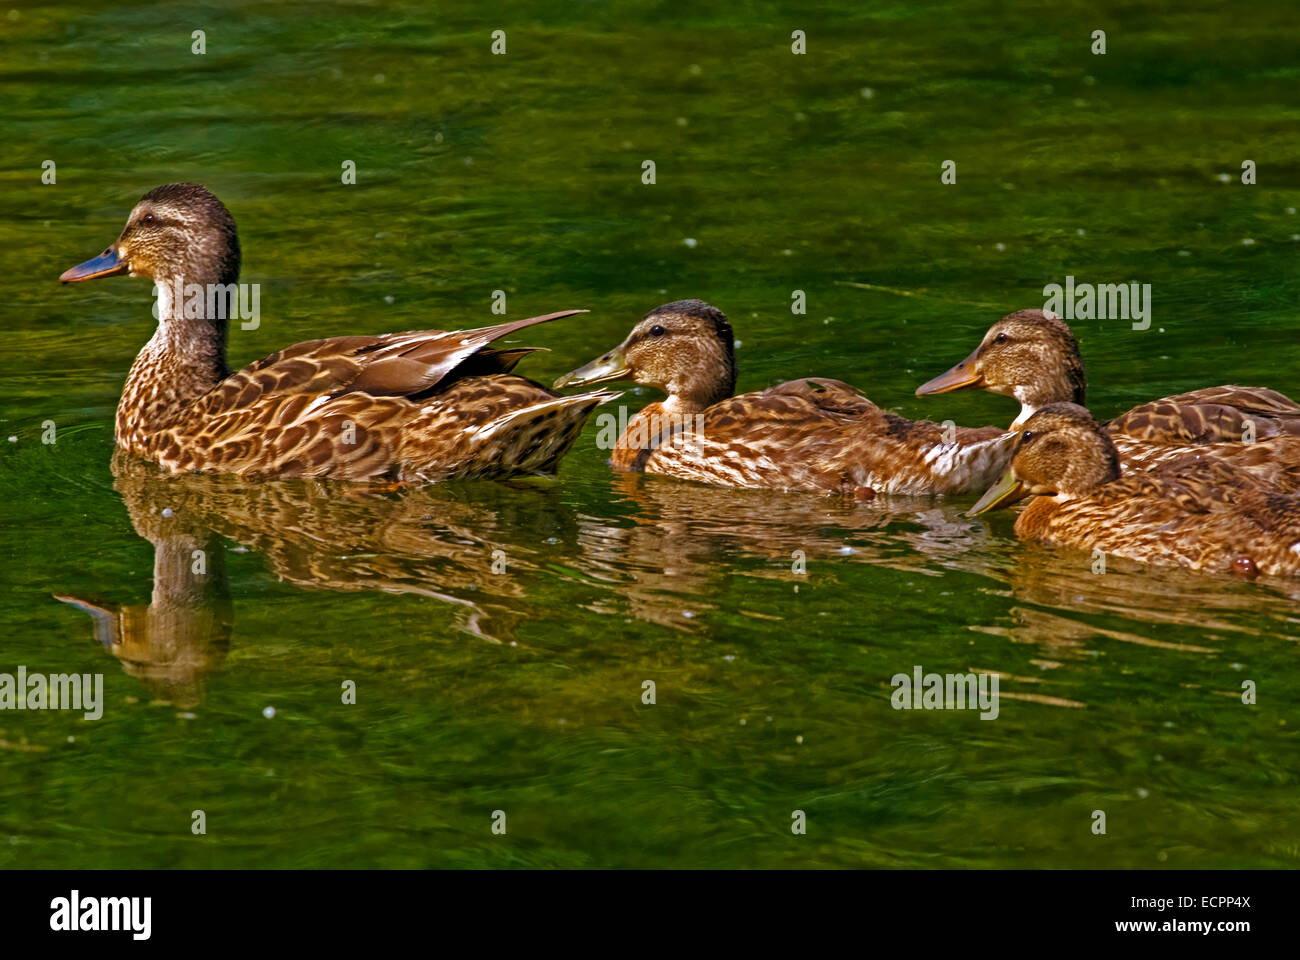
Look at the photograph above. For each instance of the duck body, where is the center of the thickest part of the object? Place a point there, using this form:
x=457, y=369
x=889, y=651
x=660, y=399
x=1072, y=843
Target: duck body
x=424, y=405
x=1034, y=358
x=1201, y=513
x=813, y=434
x=1195, y=517
x=421, y=405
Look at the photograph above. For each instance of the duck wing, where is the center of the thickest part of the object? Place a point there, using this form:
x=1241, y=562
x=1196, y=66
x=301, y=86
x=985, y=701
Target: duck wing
x=412, y=364
x=1210, y=415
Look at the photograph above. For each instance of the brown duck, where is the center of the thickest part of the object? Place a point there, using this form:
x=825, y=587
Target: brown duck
x=810, y=434
x=1203, y=514
x=421, y=405
x=1034, y=357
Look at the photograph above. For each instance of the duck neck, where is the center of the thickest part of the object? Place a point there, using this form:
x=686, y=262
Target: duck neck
x=1027, y=410
x=186, y=357
x=655, y=424
x=1059, y=381
x=676, y=403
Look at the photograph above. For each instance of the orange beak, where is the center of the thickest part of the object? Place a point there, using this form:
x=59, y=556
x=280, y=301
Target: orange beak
x=964, y=375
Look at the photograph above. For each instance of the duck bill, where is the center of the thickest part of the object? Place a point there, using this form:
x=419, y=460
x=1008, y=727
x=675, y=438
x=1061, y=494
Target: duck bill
x=961, y=377
x=612, y=366
x=1002, y=494
x=107, y=264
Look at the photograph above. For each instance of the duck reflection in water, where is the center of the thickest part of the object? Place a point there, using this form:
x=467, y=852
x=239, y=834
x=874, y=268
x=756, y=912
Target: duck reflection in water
x=474, y=547
x=682, y=540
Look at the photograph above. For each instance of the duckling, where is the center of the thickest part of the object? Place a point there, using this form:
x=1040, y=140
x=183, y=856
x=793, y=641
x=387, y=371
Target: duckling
x=1033, y=356
x=1197, y=513
x=420, y=405
x=811, y=434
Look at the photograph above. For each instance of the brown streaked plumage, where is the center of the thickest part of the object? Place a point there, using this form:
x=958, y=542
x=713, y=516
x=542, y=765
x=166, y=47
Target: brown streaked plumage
x=420, y=405
x=810, y=434
x=1200, y=513
x=1034, y=357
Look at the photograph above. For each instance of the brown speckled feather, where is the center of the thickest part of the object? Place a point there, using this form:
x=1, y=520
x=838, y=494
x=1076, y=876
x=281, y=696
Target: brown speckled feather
x=817, y=435
x=424, y=405
x=1202, y=516
x=1210, y=415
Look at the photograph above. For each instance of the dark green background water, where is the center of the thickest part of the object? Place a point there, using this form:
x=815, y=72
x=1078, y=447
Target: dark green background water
x=522, y=692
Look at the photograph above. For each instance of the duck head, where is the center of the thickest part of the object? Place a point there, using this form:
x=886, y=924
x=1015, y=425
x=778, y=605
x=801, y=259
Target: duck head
x=1062, y=452
x=685, y=348
x=179, y=230
x=1029, y=355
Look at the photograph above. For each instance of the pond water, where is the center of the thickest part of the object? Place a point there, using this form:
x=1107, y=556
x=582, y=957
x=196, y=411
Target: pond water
x=522, y=691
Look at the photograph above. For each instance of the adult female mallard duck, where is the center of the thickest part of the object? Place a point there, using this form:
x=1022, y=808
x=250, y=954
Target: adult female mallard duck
x=1197, y=513
x=421, y=405
x=810, y=434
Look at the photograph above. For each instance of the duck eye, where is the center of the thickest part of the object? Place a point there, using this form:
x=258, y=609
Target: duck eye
x=656, y=331
x=1000, y=338
x=147, y=218
x=1026, y=436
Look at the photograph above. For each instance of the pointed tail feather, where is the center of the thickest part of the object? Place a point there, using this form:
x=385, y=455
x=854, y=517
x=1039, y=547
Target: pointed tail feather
x=579, y=404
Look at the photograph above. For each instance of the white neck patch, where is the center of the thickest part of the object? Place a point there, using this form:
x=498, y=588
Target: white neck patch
x=1027, y=410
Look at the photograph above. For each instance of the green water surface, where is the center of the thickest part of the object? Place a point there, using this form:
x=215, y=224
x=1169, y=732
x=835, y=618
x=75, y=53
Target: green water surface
x=522, y=691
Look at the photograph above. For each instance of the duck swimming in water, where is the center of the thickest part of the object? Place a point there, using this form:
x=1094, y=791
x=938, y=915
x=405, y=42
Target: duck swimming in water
x=421, y=405
x=809, y=434
x=1204, y=514
x=1034, y=357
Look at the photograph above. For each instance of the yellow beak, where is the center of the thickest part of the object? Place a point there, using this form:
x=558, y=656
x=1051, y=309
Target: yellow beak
x=961, y=376
x=1002, y=494
x=612, y=366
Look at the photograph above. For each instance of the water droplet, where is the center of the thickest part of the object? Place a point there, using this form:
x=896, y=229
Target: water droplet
x=268, y=712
